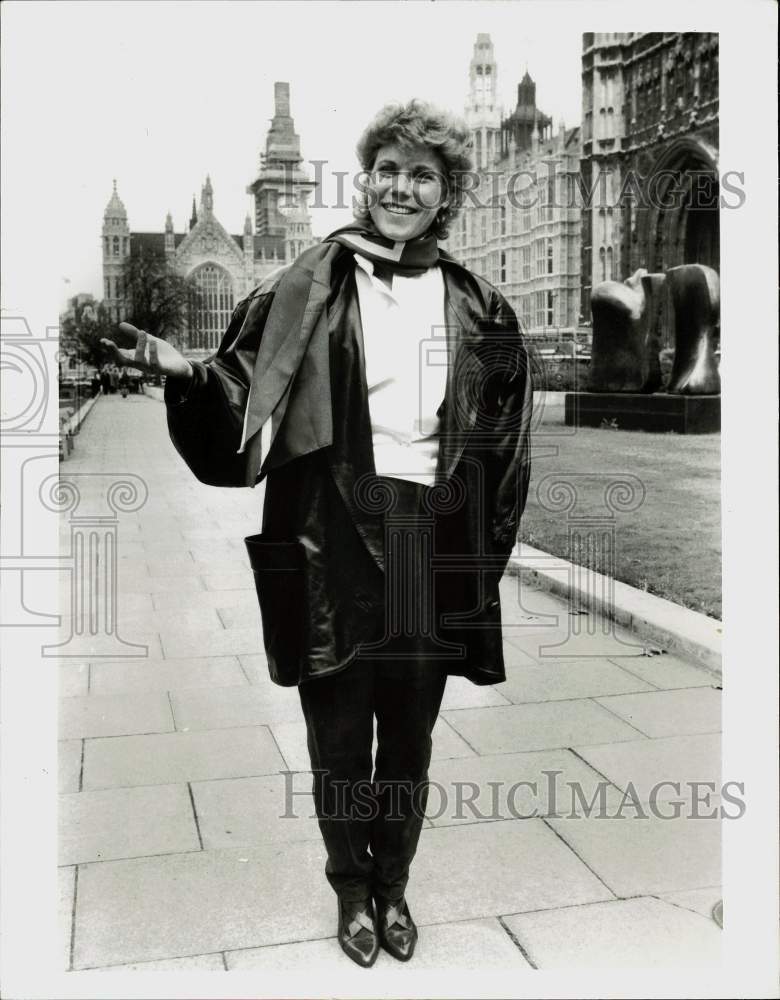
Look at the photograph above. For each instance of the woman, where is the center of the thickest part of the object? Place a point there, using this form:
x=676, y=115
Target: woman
x=382, y=391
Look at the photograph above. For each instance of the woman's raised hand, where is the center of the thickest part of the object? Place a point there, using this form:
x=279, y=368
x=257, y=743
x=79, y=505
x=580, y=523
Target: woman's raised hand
x=150, y=354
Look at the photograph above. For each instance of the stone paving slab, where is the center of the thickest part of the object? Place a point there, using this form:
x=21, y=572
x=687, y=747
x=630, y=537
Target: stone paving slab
x=521, y=602
x=227, y=581
x=206, y=600
x=646, y=856
x=223, y=707
x=548, y=775
x=244, y=614
x=291, y=739
x=254, y=812
x=129, y=643
x=255, y=666
x=568, y=679
x=66, y=882
x=646, y=763
x=516, y=660
x=212, y=534
x=166, y=675
x=73, y=678
x=621, y=934
x=461, y=693
x=183, y=904
x=115, y=715
x=180, y=643
x=701, y=901
x=179, y=585
x=453, y=947
x=69, y=764
x=539, y=726
x=171, y=565
x=186, y=618
x=669, y=713
x=226, y=563
x=531, y=868
x=203, y=963
x=126, y=823
x=665, y=671
x=176, y=757
x=565, y=644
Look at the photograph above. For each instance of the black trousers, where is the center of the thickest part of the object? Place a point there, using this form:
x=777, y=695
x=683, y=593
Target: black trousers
x=371, y=812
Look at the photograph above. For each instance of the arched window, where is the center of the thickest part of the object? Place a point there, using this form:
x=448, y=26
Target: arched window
x=603, y=261
x=213, y=306
x=610, y=264
x=116, y=246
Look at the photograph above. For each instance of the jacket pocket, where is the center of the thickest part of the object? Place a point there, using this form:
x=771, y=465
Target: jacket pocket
x=279, y=570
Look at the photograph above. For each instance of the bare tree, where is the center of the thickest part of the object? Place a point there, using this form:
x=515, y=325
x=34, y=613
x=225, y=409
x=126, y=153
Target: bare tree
x=159, y=299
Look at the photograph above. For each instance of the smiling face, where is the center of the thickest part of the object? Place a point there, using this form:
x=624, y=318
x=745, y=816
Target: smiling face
x=406, y=190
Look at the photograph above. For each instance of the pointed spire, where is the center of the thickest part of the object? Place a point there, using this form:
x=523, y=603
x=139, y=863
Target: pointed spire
x=207, y=196
x=115, y=209
x=194, y=214
x=169, y=223
x=248, y=226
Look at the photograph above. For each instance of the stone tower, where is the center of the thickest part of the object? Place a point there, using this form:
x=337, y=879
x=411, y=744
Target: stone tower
x=527, y=124
x=116, y=246
x=483, y=114
x=282, y=186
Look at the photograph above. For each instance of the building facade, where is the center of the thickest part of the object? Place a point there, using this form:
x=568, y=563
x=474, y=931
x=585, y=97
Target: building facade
x=224, y=266
x=649, y=154
x=520, y=227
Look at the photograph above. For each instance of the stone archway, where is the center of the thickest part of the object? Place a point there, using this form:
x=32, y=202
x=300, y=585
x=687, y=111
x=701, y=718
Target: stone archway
x=682, y=202
x=682, y=213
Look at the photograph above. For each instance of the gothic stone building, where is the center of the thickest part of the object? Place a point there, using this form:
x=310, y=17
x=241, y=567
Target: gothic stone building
x=649, y=154
x=520, y=228
x=225, y=266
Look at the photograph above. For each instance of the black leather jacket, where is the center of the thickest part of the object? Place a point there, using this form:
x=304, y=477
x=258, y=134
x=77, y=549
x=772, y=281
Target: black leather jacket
x=319, y=561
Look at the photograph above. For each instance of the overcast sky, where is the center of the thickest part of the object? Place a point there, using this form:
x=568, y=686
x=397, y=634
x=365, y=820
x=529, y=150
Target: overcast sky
x=158, y=96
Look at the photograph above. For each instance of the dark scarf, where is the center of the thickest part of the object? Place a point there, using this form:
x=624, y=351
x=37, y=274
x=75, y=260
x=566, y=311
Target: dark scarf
x=292, y=370
x=408, y=258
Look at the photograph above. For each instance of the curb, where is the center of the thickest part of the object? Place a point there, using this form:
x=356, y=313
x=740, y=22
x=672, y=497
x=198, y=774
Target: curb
x=76, y=419
x=675, y=628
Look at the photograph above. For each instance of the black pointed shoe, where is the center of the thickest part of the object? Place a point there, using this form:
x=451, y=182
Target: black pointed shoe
x=357, y=931
x=397, y=930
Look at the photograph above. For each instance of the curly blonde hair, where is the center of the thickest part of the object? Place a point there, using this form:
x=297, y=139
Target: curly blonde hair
x=421, y=123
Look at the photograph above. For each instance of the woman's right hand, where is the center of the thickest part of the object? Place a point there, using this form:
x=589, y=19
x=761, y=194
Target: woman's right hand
x=150, y=354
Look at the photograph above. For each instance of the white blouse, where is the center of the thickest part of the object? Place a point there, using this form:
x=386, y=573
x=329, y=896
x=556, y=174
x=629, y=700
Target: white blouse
x=405, y=356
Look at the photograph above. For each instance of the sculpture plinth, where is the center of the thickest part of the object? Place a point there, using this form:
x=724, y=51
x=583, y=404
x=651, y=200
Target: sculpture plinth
x=658, y=412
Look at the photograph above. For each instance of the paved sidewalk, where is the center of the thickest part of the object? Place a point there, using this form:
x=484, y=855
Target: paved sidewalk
x=173, y=851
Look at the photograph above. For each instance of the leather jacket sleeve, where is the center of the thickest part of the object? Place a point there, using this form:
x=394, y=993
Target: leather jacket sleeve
x=512, y=427
x=206, y=413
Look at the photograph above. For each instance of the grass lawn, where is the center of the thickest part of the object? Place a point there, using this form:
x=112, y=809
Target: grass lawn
x=670, y=545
